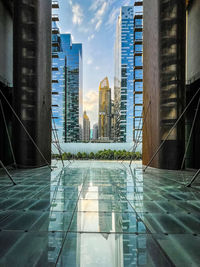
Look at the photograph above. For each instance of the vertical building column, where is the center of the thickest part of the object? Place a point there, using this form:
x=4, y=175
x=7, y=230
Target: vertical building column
x=164, y=81
x=151, y=80
x=172, y=81
x=32, y=81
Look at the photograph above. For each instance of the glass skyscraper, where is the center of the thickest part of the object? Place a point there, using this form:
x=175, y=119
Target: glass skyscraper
x=104, y=110
x=128, y=75
x=66, y=86
x=138, y=72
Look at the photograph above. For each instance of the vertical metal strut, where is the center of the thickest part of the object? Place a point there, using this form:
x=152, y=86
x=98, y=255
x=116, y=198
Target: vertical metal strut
x=10, y=143
x=180, y=117
x=193, y=124
x=1, y=163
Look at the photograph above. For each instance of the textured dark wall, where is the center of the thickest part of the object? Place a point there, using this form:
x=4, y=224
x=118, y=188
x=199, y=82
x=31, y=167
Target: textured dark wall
x=172, y=81
x=193, y=42
x=32, y=81
x=193, y=82
x=6, y=44
x=151, y=80
x=44, y=79
x=164, y=81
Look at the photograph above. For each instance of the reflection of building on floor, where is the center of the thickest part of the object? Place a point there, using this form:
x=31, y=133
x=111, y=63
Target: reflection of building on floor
x=130, y=243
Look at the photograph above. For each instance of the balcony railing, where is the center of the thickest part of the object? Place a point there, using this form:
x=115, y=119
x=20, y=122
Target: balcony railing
x=54, y=81
x=55, y=55
x=138, y=3
x=55, y=17
x=55, y=44
x=55, y=31
x=55, y=4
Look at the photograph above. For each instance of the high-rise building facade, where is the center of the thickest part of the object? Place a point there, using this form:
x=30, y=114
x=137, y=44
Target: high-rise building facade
x=138, y=72
x=128, y=81
x=66, y=86
x=95, y=132
x=112, y=132
x=25, y=82
x=104, y=110
x=86, y=127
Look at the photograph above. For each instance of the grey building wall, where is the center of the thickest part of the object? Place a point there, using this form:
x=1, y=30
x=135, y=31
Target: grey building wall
x=6, y=44
x=193, y=83
x=6, y=78
x=193, y=42
x=32, y=81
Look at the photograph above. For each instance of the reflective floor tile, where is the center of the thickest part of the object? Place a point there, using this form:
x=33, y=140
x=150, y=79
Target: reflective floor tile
x=107, y=222
x=104, y=205
x=29, y=249
x=113, y=250
x=53, y=221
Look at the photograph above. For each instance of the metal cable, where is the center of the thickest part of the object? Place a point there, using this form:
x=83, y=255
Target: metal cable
x=137, y=142
x=25, y=130
x=188, y=143
x=56, y=140
x=10, y=143
x=162, y=143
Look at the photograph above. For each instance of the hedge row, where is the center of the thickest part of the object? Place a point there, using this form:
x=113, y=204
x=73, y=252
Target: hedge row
x=101, y=155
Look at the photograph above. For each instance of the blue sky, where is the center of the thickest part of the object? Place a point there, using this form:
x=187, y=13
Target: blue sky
x=92, y=23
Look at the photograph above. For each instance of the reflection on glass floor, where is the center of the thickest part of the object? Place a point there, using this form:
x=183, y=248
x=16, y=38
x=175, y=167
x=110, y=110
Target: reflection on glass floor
x=99, y=214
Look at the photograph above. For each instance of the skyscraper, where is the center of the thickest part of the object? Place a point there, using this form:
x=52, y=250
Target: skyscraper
x=104, y=110
x=138, y=72
x=123, y=81
x=86, y=127
x=95, y=131
x=67, y=86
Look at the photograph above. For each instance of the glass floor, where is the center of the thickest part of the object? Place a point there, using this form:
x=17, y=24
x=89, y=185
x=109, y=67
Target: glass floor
x=100, y=214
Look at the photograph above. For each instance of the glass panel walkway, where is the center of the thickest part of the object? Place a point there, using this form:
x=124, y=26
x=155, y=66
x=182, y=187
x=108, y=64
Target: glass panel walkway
x=99, y=214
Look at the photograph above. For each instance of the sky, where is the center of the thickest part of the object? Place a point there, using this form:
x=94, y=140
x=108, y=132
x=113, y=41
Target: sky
x=92, y=23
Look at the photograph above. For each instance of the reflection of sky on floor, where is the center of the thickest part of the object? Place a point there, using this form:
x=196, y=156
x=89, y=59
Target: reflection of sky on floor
x=99, y=214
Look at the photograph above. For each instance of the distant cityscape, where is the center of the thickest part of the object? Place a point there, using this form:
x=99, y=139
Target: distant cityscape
x=119, y=119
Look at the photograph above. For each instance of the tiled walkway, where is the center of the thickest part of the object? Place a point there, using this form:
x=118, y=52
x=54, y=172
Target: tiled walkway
x=99, y=214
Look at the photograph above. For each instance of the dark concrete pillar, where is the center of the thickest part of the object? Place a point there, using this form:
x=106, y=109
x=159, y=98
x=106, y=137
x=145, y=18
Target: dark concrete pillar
x=32, y=81
x=164, y=81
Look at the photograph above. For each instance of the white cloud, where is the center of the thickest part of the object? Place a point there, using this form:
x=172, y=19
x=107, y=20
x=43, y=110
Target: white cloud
x=100, y=7
x=96, y=4
x=98, y=25
x=91, y=37
x=83, y=29
x=70, y=2
x=128, y=3
x=101, y=11
x=77, y=12
x=97, y=68
x=113, y=17
x=89, y=61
